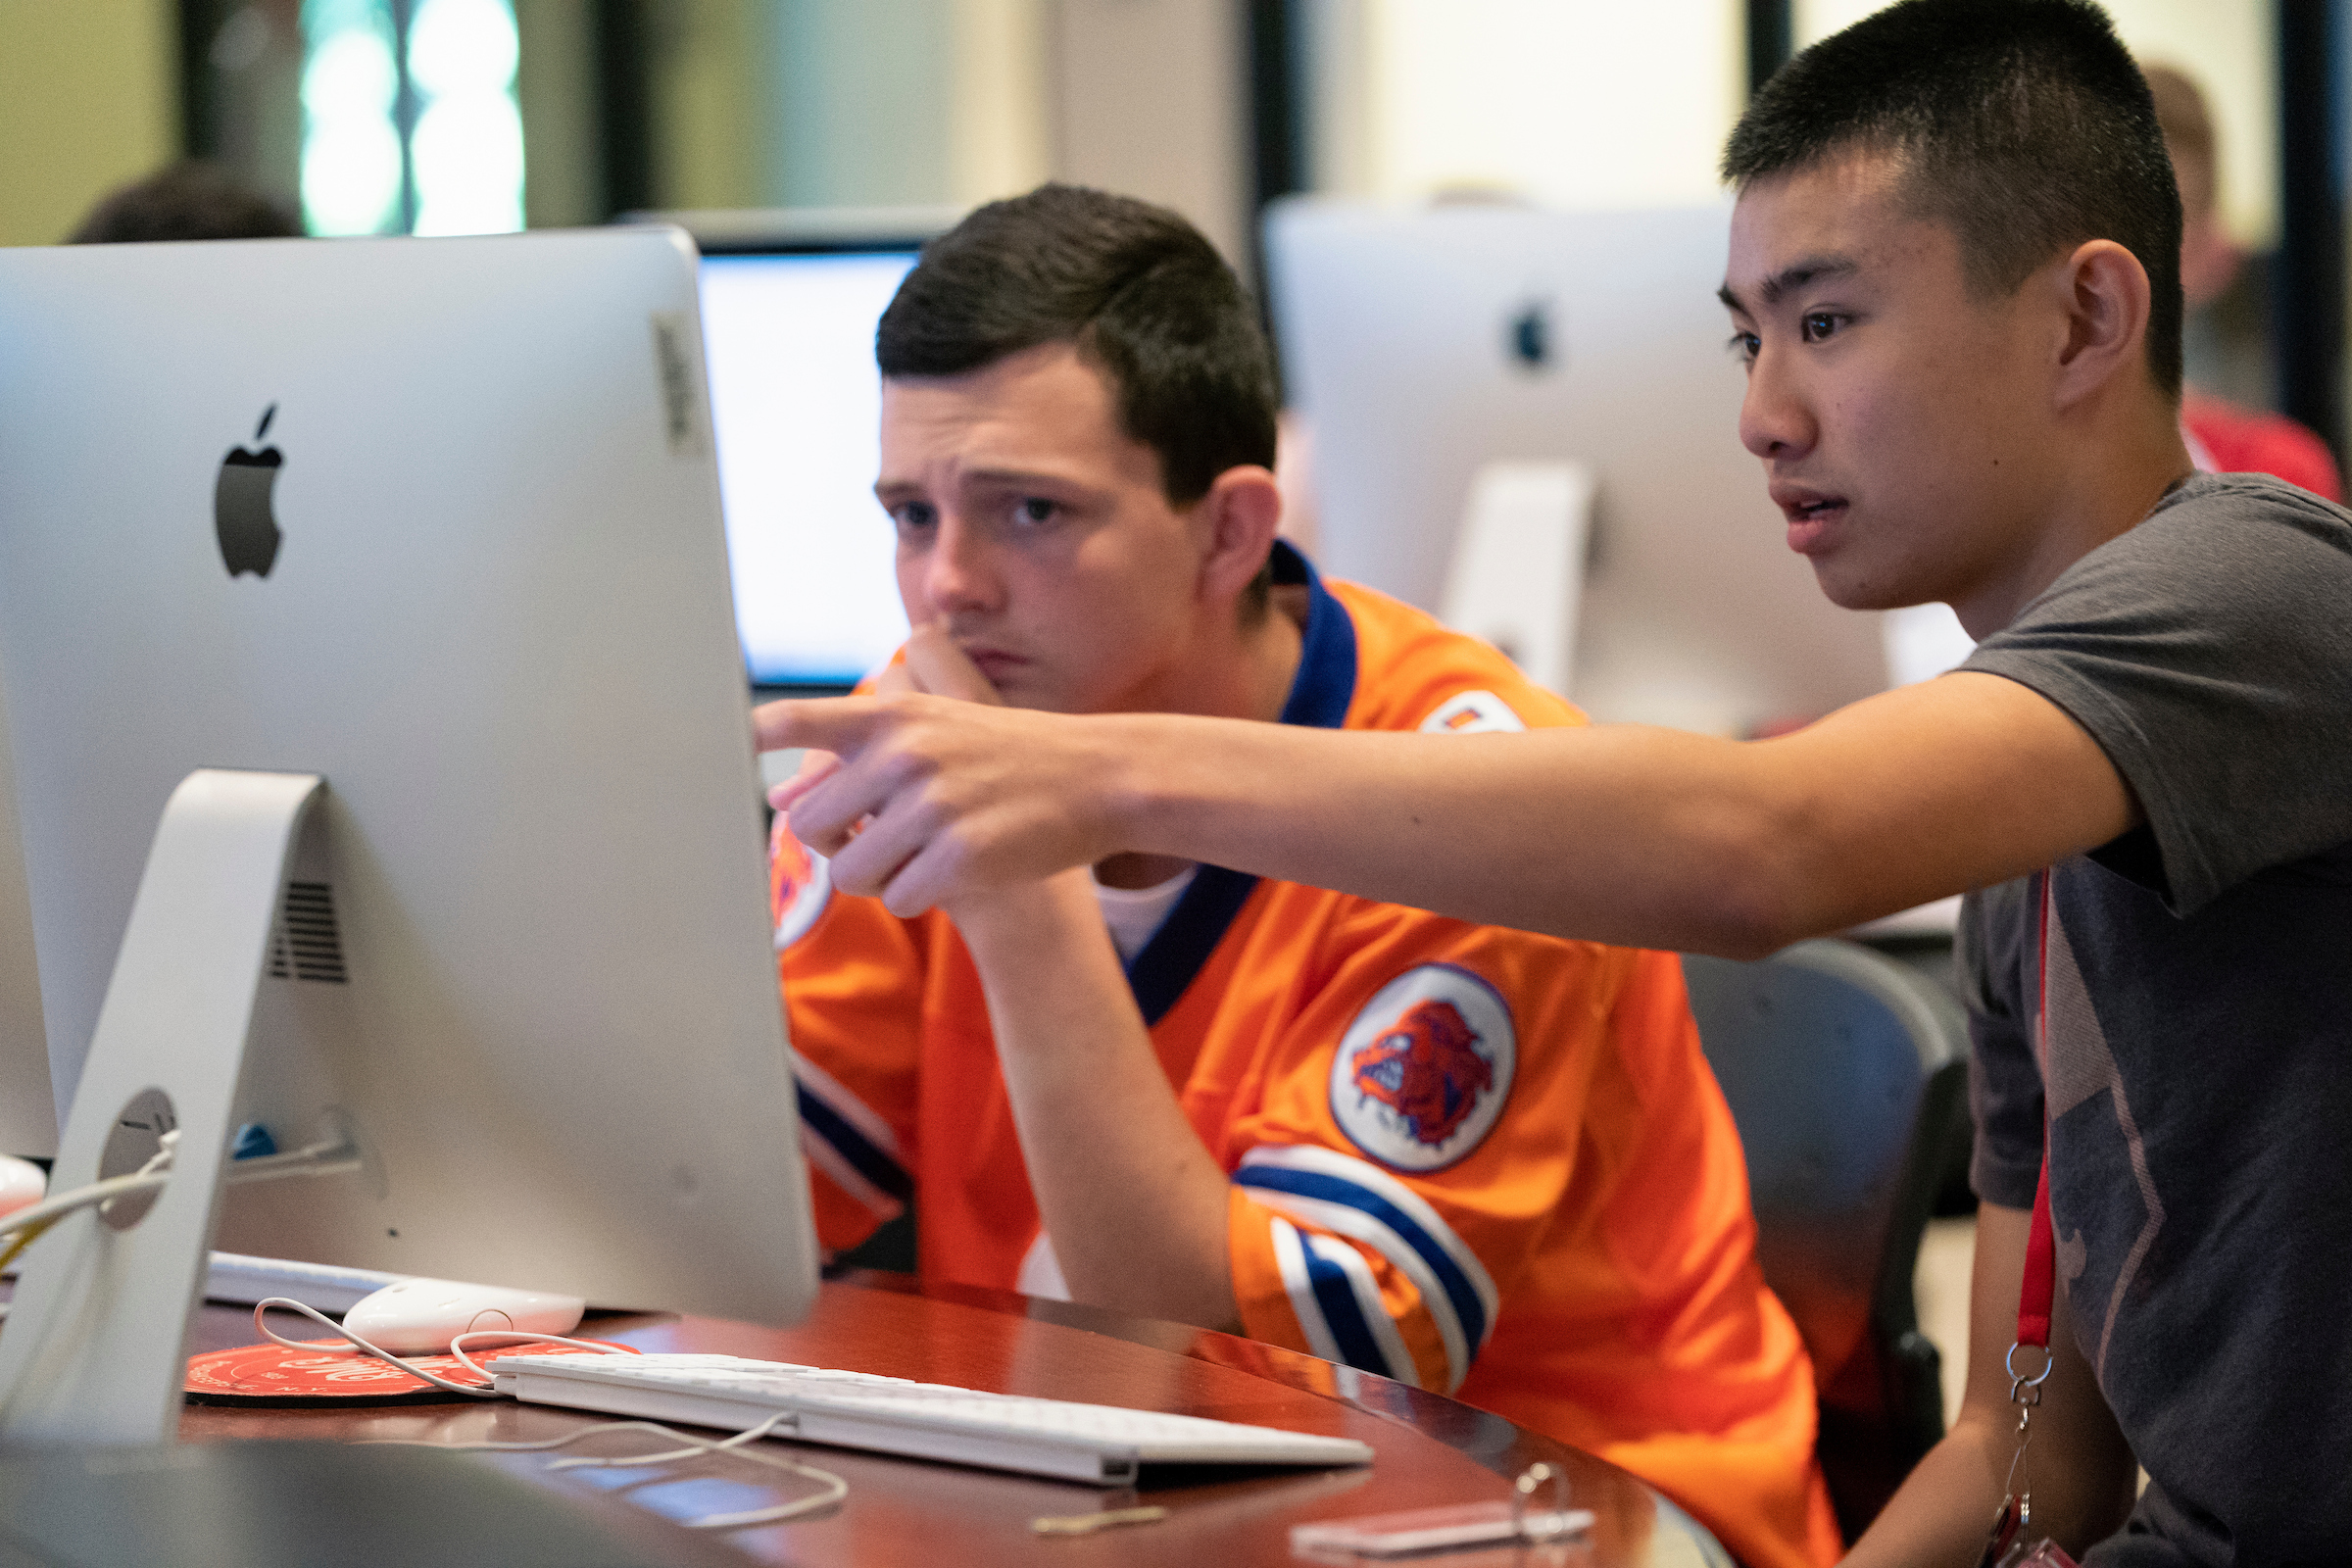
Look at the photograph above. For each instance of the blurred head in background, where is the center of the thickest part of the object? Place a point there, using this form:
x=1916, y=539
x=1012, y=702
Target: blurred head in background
x=185, y=201
x=2222, y=435
x=2208, y=260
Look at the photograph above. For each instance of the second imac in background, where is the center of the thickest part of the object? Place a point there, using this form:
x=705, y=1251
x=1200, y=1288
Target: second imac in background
x=1420, y=345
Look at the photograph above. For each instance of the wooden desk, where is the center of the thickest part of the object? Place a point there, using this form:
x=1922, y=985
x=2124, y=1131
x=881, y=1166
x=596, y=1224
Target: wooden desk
x=1431, y=1450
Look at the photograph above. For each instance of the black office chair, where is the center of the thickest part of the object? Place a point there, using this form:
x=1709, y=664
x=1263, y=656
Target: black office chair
x=1847, y=1073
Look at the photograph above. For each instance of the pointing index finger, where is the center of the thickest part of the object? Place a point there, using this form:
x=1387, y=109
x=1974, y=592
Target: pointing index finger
x=838, y=724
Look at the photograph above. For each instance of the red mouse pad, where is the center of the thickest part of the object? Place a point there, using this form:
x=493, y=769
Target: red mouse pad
x=287, y=1377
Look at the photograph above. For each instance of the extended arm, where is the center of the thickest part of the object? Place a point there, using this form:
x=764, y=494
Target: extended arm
x=1133, y=1202
x=1620, y=833
x=2081, y=1472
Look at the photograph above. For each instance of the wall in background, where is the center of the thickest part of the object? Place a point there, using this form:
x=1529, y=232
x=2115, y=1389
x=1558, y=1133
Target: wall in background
x=554, y=87
x=1150, y=97
x=1573, y=105
x=89, y=99
x=855, y=103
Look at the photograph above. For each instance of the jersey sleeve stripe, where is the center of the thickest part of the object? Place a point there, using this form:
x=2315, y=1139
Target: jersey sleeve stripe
x=1290, y=1257
x=846, y=1143
x=1347, y=1220
x=1382, y=1349
x=1336, y=1275
x=811, y=1078
x=846, y=1177
x=1380, y=1184
x=1335, y=1178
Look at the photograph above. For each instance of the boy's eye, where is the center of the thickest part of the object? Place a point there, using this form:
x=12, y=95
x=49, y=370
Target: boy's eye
x=1035, y=508
x=1819, y=326
x=914, y=516
x=1743, y=346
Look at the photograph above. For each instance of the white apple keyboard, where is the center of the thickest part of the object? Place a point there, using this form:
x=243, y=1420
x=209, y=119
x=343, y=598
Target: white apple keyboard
x=1098, y=1443
x=238, y=1277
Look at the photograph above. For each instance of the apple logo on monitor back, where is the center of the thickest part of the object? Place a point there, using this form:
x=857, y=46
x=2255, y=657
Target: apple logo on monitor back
x=242, y=515
x=1527, y=336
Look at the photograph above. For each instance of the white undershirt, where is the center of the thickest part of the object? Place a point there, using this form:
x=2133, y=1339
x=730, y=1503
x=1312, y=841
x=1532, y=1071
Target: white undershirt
x=1135, y=914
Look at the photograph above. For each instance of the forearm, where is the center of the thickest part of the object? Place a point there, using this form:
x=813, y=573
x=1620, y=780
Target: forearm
x=1944, y=1509
x=2078, y=1466
x=1647, y=837
x=1135, y=1205
x=1628, y=834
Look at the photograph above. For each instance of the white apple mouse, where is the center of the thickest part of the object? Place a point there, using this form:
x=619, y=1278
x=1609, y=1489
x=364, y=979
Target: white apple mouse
x=421, y=1316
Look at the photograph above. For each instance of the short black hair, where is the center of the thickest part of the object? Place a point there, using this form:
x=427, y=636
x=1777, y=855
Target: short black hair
x=1138, y=291
x=187, y=201
x=2022, y=125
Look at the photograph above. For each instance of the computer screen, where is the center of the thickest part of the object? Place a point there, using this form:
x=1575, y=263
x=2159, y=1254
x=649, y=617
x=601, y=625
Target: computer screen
x=437, y=520
x=1419, y=344
x=796, y=401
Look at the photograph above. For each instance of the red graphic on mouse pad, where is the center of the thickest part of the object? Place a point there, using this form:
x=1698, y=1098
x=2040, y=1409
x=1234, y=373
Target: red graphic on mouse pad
x=282, y=1377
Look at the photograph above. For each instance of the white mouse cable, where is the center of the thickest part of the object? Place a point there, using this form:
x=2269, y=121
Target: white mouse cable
x=737, y=1446
x=28, y=1224
x=473, y=1392
x=835, y=1491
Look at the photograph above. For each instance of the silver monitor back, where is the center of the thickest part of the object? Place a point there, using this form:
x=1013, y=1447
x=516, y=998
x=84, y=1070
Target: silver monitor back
x=498, y=622
x=28, y=1108
x=1422, y=343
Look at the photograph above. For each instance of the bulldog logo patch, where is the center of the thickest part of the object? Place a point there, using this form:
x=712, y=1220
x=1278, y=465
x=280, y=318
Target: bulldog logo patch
x=1421, y=1075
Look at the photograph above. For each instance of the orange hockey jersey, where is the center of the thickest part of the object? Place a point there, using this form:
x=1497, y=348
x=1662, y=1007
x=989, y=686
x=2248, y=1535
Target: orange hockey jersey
x=1485, y=1163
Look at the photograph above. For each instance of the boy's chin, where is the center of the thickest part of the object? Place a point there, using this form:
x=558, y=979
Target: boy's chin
x=1853, y=585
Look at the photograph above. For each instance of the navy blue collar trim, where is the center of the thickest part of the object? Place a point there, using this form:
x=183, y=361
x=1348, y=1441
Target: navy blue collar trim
x=1319, y=697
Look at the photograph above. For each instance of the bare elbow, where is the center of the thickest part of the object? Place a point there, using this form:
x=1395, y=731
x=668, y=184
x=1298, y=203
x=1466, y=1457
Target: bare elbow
x=1746, y=930
x=1752, y=896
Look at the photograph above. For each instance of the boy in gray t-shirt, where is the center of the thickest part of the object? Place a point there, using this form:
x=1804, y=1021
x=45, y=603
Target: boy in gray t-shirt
x=2198, y=979
x=1954, y=279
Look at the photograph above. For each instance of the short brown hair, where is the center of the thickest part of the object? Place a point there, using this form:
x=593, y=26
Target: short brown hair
x=2023, y=125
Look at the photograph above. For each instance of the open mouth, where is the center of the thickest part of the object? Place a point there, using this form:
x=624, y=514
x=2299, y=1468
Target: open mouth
x=1809, y=522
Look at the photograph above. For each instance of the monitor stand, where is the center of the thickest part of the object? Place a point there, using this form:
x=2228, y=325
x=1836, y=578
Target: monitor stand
x=1518, y=572
x=94, y=1348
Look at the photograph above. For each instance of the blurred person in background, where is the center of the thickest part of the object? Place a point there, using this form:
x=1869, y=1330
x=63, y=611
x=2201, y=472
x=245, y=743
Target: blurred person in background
x=187, y=200
x=2223, y=437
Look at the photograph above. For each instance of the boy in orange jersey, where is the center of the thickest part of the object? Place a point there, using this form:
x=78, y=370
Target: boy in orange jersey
x=1486, y=1162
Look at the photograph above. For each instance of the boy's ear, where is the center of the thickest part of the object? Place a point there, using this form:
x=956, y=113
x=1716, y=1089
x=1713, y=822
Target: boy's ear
x=1240, y=514
x=2104, y=296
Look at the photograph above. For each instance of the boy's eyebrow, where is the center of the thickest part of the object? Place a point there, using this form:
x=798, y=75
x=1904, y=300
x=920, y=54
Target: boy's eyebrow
x=886, y=487
x=1794, y=276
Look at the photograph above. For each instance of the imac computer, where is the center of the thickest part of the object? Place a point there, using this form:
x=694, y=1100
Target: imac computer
x=789, y=309
x=384, y=767
x=1424, y=345
x=28, y=1108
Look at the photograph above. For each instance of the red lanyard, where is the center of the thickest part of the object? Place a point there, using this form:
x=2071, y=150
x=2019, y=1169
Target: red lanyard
x=2011, y=1544
x=2041, y=1251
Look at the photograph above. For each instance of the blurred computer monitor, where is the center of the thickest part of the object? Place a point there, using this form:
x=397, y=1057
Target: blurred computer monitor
x=1422, y=344
x=789, y=306
x=437, y=520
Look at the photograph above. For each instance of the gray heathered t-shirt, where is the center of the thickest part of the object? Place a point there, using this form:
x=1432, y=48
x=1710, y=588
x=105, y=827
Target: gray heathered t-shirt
x=2198, y=1069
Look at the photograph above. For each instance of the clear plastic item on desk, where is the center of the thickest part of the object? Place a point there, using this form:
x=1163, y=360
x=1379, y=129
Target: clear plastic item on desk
x=2043, y=1554
x=1423, y=1532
